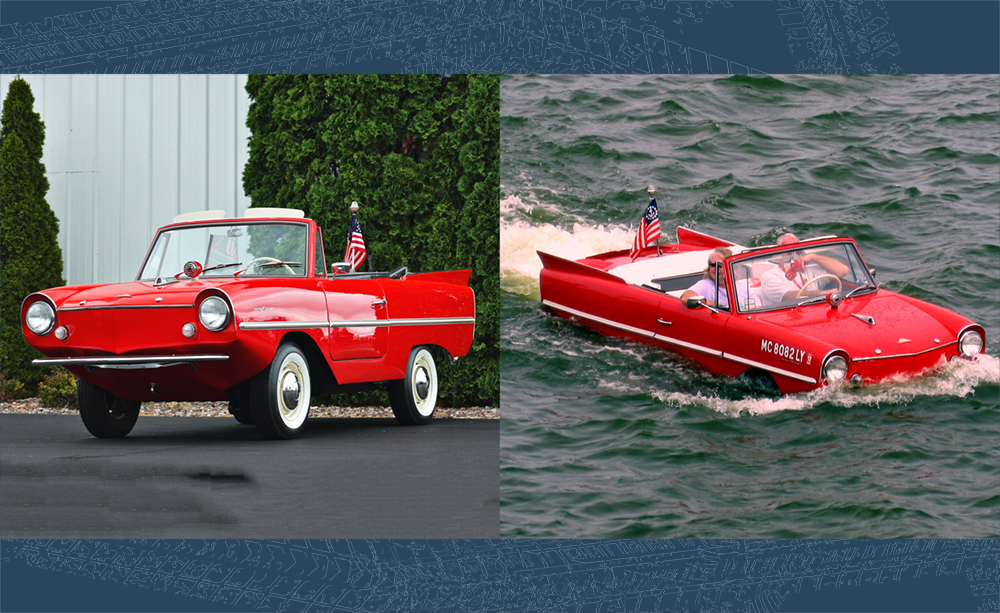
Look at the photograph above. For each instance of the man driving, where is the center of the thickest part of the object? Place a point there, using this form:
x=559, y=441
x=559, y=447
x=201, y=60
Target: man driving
x=795, y=271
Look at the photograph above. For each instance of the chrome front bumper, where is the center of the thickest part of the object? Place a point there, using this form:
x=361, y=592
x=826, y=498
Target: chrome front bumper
x=131, y=361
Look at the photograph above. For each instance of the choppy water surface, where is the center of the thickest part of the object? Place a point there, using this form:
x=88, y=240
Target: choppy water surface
x=610, y=438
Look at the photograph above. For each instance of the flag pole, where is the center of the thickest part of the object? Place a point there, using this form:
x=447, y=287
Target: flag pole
x=350, y=234
x=652, y=196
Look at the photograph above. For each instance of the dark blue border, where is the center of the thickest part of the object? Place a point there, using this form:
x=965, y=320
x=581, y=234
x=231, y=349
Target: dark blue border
x=501, y=36
x=544, y=36
x=500, y=575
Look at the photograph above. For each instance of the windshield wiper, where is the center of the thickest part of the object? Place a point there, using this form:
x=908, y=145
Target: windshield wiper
x=218, y=266
x=266, y=264
x=240, y=272
x=813, y=300
x=858, y=289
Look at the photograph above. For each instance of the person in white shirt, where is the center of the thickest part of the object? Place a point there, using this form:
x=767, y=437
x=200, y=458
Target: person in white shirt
x=795, y=271
x=706, y=286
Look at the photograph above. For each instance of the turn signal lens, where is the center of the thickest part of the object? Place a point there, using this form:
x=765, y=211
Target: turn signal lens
x=835, y=369
x=970, y=344
x=40, y=318
x=213, y=313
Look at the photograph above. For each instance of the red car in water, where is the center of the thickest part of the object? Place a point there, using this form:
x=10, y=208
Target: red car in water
x=247, y=310
x=794, y=326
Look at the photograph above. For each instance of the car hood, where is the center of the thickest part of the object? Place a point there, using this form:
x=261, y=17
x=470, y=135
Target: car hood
x=133, y=294
x=880, y=324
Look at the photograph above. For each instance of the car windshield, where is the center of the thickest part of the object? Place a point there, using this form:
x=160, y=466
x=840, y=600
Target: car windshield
x=252, y=249
x=789, y=278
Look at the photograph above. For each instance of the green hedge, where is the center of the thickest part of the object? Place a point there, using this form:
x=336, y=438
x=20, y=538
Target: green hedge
x=420, y=153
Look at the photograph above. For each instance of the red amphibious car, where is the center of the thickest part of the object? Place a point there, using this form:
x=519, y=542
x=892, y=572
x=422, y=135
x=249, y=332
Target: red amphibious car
x=247, y=310
x=801, y=326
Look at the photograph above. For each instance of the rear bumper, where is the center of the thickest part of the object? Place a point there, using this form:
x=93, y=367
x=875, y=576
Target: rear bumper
x=130, y=361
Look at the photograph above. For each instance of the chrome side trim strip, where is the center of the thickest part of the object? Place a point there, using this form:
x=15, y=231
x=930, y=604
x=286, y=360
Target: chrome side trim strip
x=633, y=330
x=903, y=355
x=674, y=341
x=131, y=306
x=154, y=361
x=420, y=321
x=775, y=370
x=359, y=323
x=679, y=343
x=354, y=323
x=282, y=325
x=600, y=320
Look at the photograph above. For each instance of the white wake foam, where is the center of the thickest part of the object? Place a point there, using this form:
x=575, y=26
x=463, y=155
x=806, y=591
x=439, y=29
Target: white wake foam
x=520, y=239
x=958, y=379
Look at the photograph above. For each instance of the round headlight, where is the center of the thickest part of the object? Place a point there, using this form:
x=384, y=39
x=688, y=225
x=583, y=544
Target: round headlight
x=835, y=369
x=213, y=313
x=40, y=318
x=970, y=343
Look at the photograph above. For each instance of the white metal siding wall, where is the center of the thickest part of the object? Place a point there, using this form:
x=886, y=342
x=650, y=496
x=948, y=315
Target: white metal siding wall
x=124, y=154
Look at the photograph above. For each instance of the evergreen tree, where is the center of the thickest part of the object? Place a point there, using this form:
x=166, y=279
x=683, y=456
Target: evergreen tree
x=30, y=257
x=420, y=153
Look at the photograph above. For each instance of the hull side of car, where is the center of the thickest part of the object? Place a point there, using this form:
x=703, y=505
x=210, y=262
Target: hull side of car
x=260, y=341
x=874, y=335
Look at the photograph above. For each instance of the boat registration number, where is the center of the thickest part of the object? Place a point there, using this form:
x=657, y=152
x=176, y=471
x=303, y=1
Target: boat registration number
x=784, y=352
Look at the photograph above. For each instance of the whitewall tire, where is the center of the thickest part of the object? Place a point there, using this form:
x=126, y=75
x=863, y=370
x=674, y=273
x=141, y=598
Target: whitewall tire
x=415, y=397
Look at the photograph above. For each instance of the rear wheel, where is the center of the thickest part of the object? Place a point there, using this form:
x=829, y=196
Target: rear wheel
x=415, y=397
x=105, y=415
x=279, y=396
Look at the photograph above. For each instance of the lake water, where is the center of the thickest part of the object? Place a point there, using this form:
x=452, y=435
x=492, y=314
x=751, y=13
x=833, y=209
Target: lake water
x=604, y=437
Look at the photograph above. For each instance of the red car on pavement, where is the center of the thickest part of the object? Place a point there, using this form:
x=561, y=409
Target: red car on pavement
x=248, y=310
x=793, y=323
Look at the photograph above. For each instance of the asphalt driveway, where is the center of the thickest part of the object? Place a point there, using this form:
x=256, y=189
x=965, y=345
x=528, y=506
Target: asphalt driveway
x=209, y=477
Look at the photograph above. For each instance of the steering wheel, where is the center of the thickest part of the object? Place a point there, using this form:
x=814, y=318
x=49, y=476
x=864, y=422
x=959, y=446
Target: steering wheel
x=267, y=259
x=840, y=286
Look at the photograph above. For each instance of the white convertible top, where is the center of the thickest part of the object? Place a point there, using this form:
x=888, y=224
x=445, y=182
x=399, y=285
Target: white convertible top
x=669, y=265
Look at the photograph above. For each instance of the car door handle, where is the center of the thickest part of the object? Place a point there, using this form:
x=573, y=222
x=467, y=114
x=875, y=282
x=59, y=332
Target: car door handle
x=665, y=322
x=378, y=303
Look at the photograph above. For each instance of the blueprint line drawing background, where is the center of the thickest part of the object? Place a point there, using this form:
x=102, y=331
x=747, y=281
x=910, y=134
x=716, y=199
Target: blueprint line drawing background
x=499, y=36
x=524, y=575
x=527, y=575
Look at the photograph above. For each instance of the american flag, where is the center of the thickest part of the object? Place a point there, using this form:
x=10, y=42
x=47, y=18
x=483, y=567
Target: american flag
x=356, y=252
x=649, y=230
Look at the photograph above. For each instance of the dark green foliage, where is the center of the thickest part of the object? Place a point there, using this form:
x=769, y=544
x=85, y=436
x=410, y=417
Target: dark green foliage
x=30, y=257
x=58, y=390
x=11, y=389
x=420, y=154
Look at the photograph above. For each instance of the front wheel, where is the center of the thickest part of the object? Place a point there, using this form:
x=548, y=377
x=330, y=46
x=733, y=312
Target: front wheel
x=244, y=416
x=105, y=415
x=279, y=396
x=414, y=398
x=239, y=405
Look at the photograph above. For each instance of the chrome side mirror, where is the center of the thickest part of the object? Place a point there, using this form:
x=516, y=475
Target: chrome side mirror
x=834, y=299
x=871, y=271
x=694, y=302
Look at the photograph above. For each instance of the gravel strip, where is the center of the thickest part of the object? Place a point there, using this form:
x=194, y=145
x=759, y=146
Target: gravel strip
x=220, y=409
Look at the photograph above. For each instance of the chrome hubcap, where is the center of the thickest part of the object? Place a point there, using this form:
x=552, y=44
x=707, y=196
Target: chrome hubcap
x=421, y=383
x=290, y=390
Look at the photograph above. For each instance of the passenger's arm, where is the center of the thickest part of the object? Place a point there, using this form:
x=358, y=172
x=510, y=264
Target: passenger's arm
x=830, y=265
